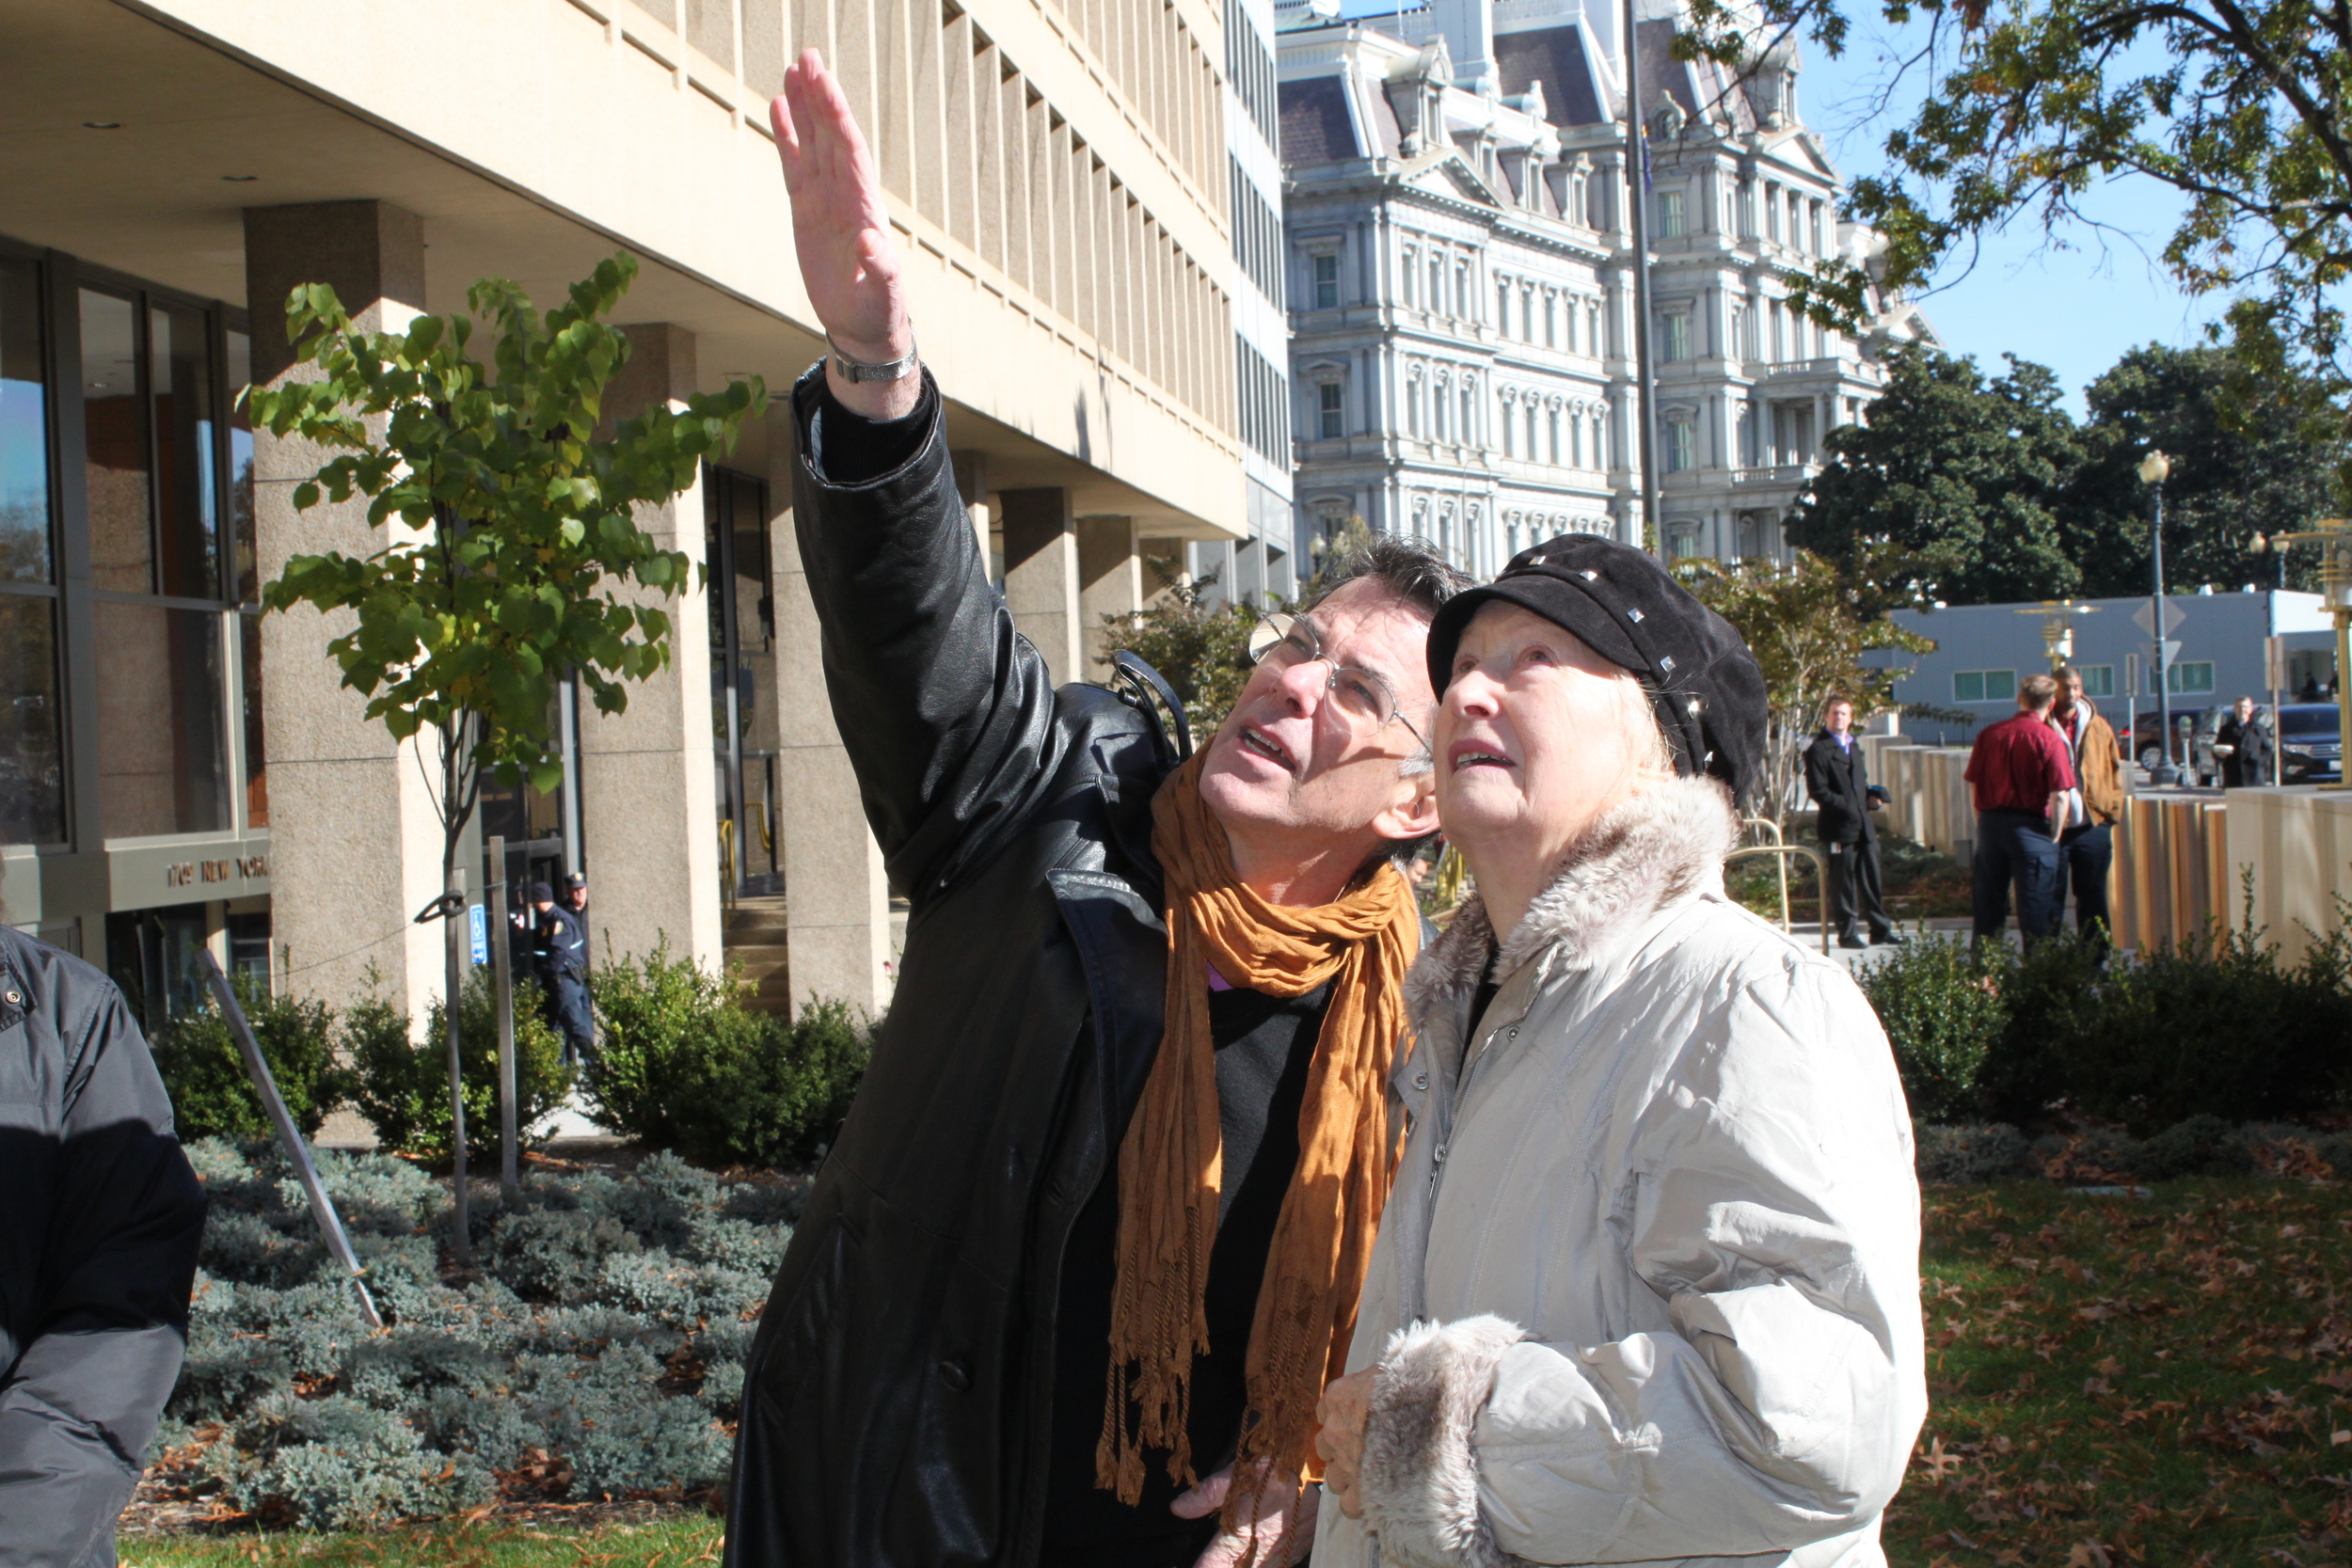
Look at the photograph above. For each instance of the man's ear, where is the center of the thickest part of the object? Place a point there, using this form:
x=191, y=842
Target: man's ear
x=1413, y=813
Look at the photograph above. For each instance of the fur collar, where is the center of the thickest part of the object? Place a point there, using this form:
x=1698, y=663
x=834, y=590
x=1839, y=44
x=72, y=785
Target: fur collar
x=1664, y=846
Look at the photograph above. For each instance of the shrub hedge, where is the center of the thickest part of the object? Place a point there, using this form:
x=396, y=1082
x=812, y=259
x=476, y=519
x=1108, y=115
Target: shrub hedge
x=402, y=1087
x=2222, y=1027
x=211, y=1094
x=598, y=1354
x=680, y=1064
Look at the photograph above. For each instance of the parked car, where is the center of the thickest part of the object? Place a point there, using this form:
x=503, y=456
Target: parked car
x=2310, y=743
x=2192, y=742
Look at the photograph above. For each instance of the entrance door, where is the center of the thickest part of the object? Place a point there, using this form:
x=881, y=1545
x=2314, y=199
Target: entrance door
x=742, y=682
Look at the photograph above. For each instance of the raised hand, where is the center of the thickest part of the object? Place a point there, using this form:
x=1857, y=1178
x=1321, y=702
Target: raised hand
x=841, y=228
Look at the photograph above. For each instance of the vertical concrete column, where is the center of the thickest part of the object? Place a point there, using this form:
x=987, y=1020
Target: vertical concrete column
x=1110, y=582
x=970, y=470
x=649, y=790
x=355, y=839
x=1041, y=575
x=837, y=898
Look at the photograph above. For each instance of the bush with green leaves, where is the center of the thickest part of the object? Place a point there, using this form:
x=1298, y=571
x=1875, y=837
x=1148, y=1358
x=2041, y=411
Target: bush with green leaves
x=402, y=1087
x=607, y=1332
x=681, y=1063
x=2222, y=1027
x=206, y=1073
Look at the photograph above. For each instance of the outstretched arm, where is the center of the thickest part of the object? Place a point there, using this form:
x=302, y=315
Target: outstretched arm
x=841, y=228
x=946, y=713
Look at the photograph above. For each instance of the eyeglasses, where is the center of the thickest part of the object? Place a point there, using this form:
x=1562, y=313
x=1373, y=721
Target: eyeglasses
x=1280, y=643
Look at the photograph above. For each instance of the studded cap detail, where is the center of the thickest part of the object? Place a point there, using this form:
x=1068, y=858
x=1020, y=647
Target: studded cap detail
x=1703, y=683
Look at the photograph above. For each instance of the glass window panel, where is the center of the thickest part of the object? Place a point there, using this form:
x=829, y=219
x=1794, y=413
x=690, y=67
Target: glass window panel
x=181, y=373
x=2000, y=686
x=121, y=536
x=2191, y=677
x=241, y=471
x=1968, y=685
x=162, y=761
x=152, y=956
x=32, y=761
x=255, y=757
x=24, y=428
x=2098, y=680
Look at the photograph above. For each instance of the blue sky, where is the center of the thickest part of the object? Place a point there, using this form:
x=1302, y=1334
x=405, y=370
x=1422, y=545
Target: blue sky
x=2075, y=305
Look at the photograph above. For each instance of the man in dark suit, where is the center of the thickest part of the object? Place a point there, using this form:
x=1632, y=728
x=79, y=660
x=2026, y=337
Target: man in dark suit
x=2248, y=755
x=1836, y=778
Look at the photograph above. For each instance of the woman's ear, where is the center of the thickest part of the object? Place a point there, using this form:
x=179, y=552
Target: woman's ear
x=1413, y=814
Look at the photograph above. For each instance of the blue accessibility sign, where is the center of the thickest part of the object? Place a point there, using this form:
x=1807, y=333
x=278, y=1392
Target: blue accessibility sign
x=478, y=919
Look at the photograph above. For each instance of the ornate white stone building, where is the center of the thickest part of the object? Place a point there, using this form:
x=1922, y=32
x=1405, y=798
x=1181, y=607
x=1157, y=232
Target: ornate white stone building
x=1462, y=293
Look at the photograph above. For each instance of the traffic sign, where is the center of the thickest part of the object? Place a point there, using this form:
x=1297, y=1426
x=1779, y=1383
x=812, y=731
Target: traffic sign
x=2144, y=616
x=478, y=922
x=2171, y=652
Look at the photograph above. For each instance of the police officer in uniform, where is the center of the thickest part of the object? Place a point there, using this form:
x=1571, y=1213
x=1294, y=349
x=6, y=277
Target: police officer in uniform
x=558, y=956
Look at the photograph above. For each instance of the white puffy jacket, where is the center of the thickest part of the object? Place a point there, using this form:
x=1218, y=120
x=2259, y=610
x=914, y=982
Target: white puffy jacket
x=1647, y=1288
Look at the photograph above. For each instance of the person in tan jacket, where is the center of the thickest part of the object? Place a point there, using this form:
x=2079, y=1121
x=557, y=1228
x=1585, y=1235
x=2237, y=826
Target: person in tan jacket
x=2087, y=848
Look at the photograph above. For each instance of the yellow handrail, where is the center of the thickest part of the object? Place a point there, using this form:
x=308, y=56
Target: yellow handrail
x=727, y=862
x=1820, y=869
x=1780, y=862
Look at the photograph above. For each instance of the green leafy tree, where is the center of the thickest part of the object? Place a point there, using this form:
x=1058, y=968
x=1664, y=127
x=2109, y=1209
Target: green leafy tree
x=2247, y=460
x=512, y=554
x=1197, y=641
x=1966, y=478
x=1810, y=626
x=510, y=531
x=2240, y=105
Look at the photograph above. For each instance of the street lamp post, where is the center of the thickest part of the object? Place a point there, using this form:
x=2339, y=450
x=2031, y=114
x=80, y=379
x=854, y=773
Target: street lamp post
x=2153, y=470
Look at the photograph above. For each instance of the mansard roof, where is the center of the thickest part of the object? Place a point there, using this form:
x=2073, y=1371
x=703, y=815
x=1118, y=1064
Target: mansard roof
x=1554, y=57
x=1315, y=125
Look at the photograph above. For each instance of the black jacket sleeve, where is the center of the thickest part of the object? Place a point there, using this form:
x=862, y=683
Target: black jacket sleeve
x=98, y=1246
x=945, y=712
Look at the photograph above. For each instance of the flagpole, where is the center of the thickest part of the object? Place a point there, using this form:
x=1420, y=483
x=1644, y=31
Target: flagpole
x=1645, y=372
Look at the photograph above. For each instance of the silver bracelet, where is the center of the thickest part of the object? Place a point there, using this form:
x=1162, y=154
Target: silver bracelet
x=858, y=369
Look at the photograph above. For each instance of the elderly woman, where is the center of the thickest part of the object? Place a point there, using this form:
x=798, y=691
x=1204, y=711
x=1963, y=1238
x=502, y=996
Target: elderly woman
x=1646, y=1289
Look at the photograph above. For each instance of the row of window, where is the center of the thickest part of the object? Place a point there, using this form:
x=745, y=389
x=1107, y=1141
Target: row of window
x=1790, y=216
x=1547, y=314
x=145, y=675
x=1767, y=331
x=1257, y=234
x=1266, y=414
x=2184, y=678
x=1249, y=67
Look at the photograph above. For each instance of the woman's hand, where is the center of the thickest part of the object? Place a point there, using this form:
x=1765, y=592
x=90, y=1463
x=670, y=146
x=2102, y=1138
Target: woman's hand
x=1345, y=1408
x=1285, y=1516
x=841, y=228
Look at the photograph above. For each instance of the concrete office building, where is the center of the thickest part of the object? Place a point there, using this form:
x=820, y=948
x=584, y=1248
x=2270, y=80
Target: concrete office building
x=1262, y=564
x=1462, y=286
x=181, y=771
x=1982, y=651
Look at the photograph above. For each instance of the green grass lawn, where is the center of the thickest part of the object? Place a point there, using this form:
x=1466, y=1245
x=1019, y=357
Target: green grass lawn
x=2163, y=1380
x=673, y=1542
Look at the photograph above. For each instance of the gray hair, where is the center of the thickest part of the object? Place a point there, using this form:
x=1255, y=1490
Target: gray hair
x=1407, y=569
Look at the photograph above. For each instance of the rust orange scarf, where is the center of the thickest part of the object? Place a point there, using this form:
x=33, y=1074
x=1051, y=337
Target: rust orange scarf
x=1171, y=1166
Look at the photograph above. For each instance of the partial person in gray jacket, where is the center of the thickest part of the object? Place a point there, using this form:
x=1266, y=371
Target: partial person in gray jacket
x=98, y=1237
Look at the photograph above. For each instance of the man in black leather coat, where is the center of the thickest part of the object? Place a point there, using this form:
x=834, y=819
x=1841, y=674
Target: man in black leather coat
x=927, y=1382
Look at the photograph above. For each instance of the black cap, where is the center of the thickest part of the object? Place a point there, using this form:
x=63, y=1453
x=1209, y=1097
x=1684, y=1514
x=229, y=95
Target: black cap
x=577, y=879
x=1704, y=683
x=542, y=893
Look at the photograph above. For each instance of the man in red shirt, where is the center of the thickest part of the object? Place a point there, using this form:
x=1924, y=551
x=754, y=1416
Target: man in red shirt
x=2019, y=778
